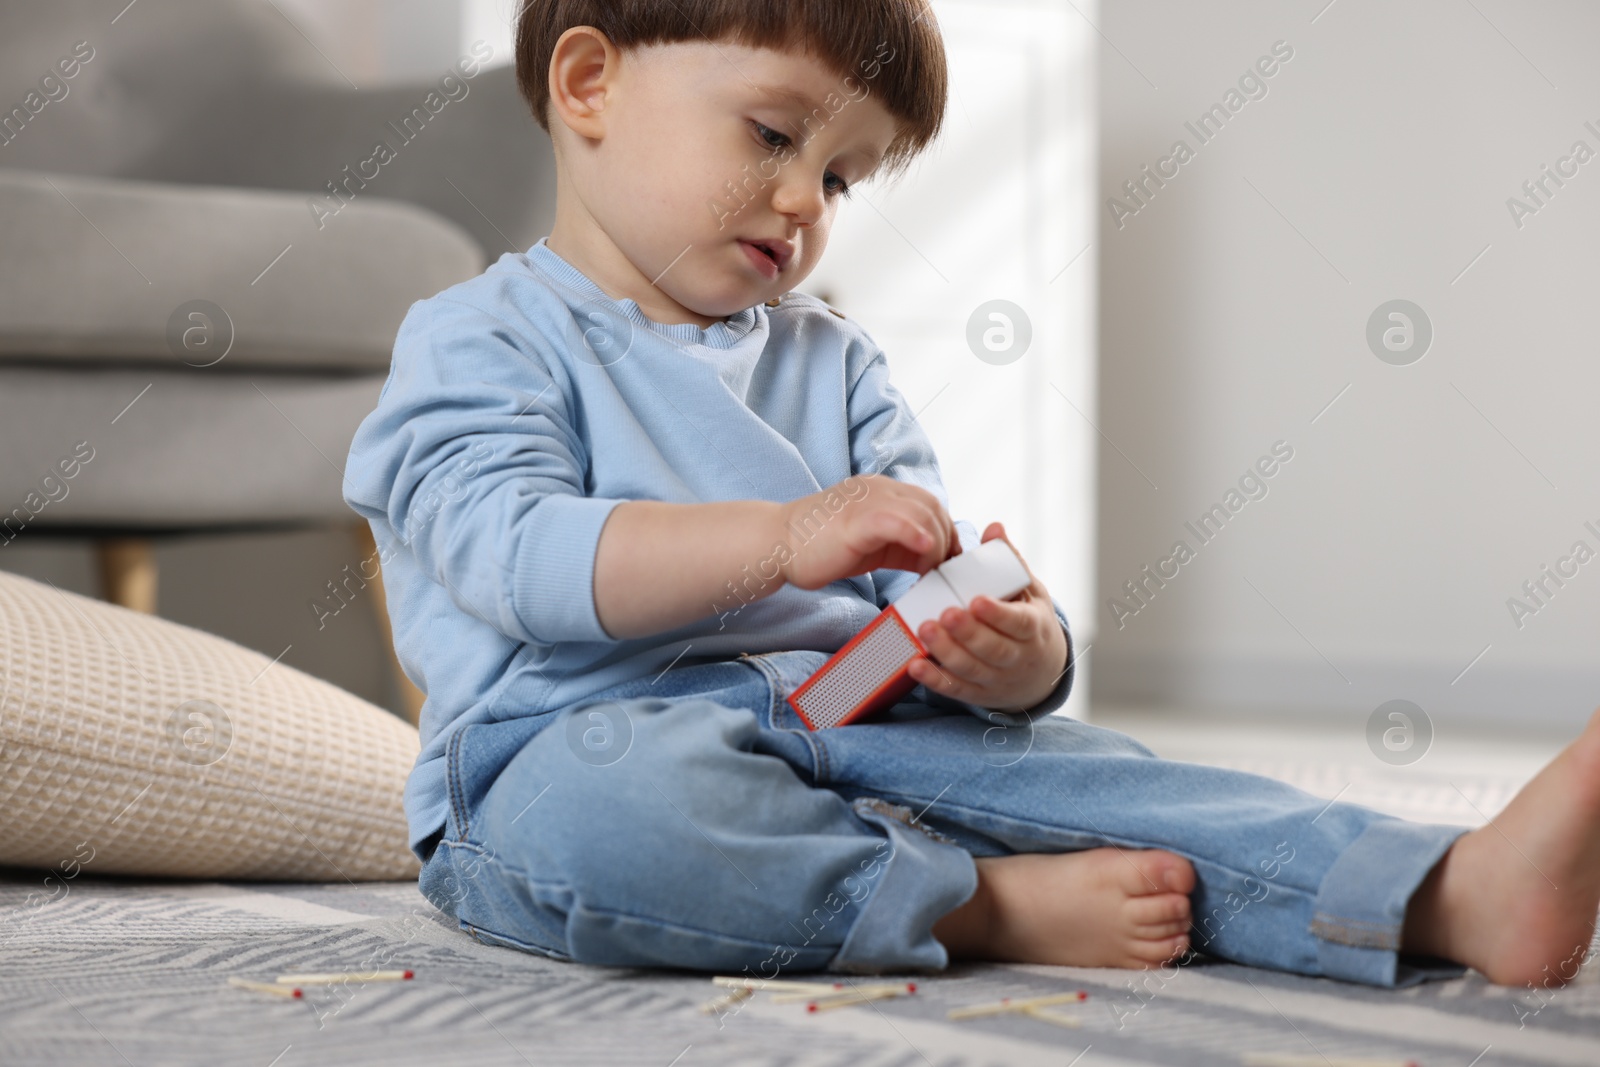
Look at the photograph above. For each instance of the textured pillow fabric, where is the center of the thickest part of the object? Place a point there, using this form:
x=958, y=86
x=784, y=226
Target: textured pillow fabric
x=132, y=745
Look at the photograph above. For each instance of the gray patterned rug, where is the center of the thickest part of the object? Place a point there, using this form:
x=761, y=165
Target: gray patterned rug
x=132, y=972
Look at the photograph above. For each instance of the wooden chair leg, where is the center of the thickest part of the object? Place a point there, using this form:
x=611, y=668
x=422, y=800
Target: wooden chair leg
x=128, y=572
x=411, y=697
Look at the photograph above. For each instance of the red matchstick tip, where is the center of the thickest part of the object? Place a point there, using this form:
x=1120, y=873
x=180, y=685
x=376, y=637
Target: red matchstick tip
x=811, y=1007
x=408, y=975
x=296, y=994
x=911, y=987
x=1084, y=996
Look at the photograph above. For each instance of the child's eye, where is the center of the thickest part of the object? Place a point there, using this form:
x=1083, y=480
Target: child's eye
x=772, y=137
x=832, y=184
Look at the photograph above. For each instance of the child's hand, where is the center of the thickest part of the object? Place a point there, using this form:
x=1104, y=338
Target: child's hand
x=1005, y=655
x=864, y=523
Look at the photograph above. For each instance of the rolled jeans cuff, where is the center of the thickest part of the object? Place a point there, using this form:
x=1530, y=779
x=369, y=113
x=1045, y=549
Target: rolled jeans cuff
x=1360, y=909
x=926, y=877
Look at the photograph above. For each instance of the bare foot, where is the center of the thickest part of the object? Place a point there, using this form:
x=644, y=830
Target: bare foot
x=1106, y=907
x=1516, y=900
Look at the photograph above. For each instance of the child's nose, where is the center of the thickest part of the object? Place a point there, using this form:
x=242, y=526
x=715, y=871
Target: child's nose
x=800, y=197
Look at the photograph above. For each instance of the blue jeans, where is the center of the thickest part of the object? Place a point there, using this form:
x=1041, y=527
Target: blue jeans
x=693, y=821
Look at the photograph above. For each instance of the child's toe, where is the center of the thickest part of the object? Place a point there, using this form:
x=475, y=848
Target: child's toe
x=1153, y=911
x=1157, y=951
x=1154, y=871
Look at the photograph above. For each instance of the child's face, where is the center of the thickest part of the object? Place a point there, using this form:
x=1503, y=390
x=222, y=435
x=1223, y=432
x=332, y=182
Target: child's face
x=721, y=167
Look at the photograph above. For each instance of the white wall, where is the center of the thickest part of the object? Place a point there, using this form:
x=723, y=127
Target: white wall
x=1234, y=309
x=1002, y=208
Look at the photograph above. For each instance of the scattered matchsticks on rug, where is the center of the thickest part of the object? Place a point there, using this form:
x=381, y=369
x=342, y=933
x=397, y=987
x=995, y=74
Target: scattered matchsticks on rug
x=1033, y=1007
x=288, y=985
x=828, y=996
x=817, y=996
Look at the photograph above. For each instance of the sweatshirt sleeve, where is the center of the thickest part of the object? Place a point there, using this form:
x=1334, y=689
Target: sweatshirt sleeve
x=885, y=438
x=474, y=460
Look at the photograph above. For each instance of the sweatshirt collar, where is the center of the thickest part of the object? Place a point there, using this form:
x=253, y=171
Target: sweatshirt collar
x=578, y=289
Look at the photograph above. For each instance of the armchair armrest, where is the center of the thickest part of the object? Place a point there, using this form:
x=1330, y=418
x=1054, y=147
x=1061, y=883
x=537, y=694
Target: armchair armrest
x=95, y=269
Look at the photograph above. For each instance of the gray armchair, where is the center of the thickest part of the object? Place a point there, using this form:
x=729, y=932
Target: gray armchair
x=191, y=323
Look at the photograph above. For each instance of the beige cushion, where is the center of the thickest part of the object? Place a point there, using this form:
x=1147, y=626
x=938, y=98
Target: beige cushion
x=132, y=745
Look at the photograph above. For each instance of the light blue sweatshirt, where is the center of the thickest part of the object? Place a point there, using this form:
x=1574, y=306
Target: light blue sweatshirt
x=502, y=440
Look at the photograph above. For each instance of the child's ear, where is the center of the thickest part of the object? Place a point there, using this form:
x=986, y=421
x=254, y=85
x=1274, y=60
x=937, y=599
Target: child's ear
x=583, y=73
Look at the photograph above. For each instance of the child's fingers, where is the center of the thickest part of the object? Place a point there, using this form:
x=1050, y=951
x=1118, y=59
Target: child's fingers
x=943, y=529
x=952, y=536
x=940, y=680
x=929, y=514
x=1015, y=619
x=954, y=656
x=893, y=528
x=994, y=649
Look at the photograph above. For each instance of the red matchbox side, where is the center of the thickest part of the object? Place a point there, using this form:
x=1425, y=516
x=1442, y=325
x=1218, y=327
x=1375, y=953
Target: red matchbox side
x=885, y=695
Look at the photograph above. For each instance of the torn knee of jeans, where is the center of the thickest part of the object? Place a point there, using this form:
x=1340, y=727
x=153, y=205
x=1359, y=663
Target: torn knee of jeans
x=900, y=813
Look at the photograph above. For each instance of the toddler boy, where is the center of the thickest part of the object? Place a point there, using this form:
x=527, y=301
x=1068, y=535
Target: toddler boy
x=672, y=486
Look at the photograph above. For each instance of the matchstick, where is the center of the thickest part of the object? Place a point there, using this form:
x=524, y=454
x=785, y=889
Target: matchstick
x=1071, y=1022
x=1274, y=1059
x=767, y=983
x=842, y=991
x=264, y=987
x=738, y=996
x=346, y=976
x=846, y=1001
x=1001, y=1007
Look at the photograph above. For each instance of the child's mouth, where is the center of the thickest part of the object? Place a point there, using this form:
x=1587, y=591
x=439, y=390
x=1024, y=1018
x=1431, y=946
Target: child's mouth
x=769, y=258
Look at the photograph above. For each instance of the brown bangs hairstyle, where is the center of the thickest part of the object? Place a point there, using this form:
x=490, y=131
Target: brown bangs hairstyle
x=896, y=38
